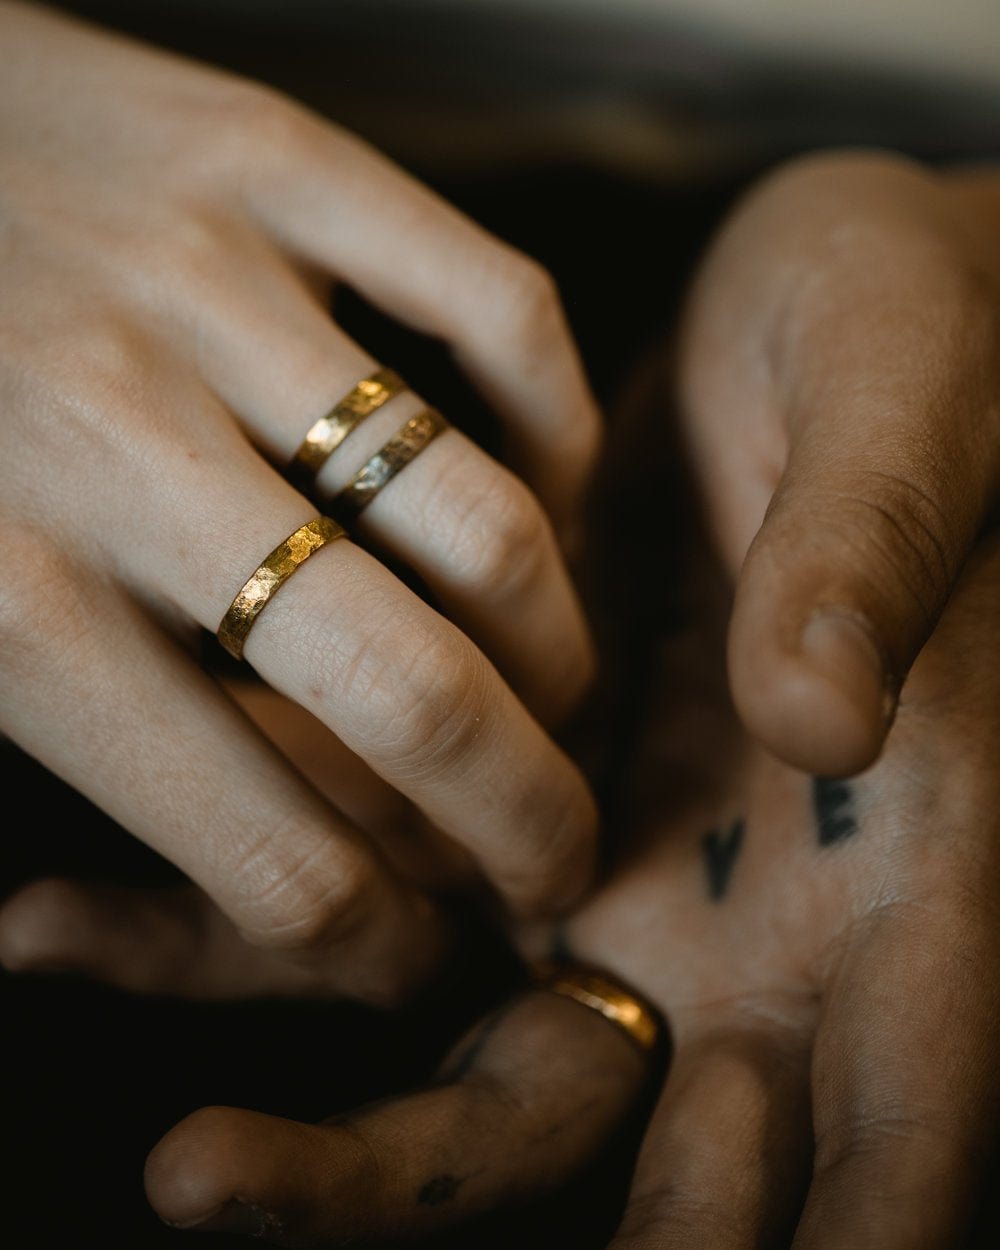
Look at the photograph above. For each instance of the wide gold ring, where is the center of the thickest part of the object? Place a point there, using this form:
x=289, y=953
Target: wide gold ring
x=260, y=587
x=326, y=434
x=405, y=445
x=596, y=989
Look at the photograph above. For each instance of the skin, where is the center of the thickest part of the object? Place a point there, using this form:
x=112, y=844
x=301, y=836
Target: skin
x=834, y=1078
x=820, y=951
x=170, y=239
x=838, y=373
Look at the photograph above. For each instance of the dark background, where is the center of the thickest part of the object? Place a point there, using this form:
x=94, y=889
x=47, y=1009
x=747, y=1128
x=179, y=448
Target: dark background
x=528, y=124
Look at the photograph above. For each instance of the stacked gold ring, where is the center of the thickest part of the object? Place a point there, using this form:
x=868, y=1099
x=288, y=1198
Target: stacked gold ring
x=326, y=434
x=405, y=445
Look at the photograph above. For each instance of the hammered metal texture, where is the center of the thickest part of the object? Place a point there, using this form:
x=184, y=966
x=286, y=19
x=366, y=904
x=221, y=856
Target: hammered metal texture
x=330, y=431
x=276, y=569
x=396, y=454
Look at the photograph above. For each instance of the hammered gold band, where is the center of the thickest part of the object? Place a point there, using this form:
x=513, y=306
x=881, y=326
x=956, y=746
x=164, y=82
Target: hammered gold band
x=259, y=589
x=595, y=989
x=405, y=445
x=326, y=435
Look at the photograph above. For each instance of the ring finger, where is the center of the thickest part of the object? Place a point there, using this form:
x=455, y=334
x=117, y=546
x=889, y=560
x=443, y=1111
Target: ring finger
x=399, y=685
x=464, y=523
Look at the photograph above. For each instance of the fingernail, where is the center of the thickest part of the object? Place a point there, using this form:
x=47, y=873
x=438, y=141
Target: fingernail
x=840, y=645
x=232, y=1217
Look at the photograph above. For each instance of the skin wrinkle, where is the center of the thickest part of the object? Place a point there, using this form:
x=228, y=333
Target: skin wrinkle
x=136, y=447
x=847, y=879
x=857, y=543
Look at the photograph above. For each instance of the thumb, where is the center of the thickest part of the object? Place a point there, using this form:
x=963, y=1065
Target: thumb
x=889, y=474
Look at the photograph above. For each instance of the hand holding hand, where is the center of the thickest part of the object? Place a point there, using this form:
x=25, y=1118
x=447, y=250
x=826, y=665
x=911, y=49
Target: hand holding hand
x=822, y=952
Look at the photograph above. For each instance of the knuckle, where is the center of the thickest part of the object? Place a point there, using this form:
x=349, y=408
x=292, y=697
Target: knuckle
x=849, y=1142
x=497, y=1098
x=83, y=370
x=531, y=310
x=257, y=125
x=438, y=695
x=667, y=1214
x=407, y=687
x=503, y=537
x=300, y=901
x=907, y=528
x=555, y=859
x=42, y=601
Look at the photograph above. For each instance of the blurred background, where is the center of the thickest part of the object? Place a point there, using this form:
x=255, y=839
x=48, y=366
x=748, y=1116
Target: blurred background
x=606, y=137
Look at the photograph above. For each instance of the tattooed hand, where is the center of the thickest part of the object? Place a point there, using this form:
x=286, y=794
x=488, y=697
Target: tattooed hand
x=839, y=373
x=825, y=953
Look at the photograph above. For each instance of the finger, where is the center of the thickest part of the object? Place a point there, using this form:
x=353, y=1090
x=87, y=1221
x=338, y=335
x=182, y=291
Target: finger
x=905, y=1103
x=882, y=385
x=396, y=683
x=132, y=723
x=471, y=530
x=523, y=1105
x=481, y=543
x=146, y=941
x=427, y=264
x=420, y=852
x=724, y=1160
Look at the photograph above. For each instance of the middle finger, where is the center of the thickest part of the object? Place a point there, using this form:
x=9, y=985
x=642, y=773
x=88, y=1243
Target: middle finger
x=470, y=528
x=344, y=638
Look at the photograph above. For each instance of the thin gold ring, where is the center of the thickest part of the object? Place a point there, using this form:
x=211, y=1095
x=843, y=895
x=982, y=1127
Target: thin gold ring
x=326, y=434
x=260, y=587
x=596, y=989
x=405, y=445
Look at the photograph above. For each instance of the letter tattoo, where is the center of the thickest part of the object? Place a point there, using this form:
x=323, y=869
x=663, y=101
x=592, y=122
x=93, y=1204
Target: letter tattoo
x=833, y=802
x=720, y=857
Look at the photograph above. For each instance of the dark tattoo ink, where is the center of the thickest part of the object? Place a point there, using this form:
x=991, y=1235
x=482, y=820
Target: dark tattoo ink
x=721, y=851
x=439, y=1189
x=833, y=803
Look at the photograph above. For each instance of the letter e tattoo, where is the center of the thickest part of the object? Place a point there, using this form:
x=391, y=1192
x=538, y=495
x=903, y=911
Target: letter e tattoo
x=833, y=802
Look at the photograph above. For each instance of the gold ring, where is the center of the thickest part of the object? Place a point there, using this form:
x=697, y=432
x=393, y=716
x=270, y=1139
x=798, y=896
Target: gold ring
x=275, y=570
x=404, y=446
x=329, y=432
x=595, y=989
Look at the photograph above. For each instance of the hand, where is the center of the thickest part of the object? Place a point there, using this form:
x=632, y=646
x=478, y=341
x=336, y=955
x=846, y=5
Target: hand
x=172, y=235
x=824, y=954
x=841, y=390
